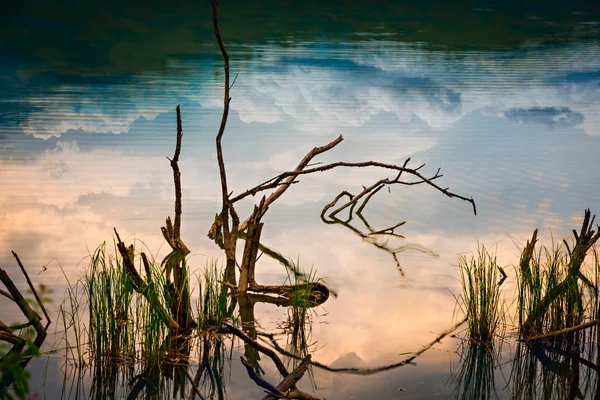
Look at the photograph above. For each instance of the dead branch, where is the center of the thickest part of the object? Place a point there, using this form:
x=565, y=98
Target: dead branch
x=251, y=247
x=372, y=190
x=564, y=331
x=172, y=232
x=373, y=193
x=177, y=175
x=33, y=318
x=287, y=387
x=261, y=382
x=21, y=351
x=193, y=384
x=368, y=371
x=6, y=294
x=288, y=384
x=229, y=235
x=370, y=237
x=227, y=328
x=281, y=184
x=35, y=293
x=276, y=182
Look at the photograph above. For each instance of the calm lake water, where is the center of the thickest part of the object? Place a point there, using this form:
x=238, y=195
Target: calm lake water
x=504, y=98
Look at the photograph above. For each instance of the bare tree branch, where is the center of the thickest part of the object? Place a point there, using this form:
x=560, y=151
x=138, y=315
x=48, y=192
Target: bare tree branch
x=177, y=176
x=281, y=185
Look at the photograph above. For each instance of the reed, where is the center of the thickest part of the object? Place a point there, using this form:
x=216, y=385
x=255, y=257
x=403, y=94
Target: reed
x=214, y=306
x=124, y=326
x=540, y=273
x=480, y=296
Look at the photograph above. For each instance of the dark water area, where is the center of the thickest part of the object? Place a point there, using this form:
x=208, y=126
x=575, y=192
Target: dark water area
x=504, y=97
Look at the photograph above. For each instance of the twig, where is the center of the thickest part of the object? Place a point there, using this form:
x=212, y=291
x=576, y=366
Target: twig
x=391, y=229
x=194, y=387
x=288, y=384
x=292, y=175
x=37, y=297
x=373, y=193
x=31, y=315
x=6, y=294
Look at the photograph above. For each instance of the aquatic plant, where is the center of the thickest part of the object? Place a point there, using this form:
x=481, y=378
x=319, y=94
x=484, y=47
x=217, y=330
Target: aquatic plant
x=540, y=371
x=121, y=320
x=480, y=296
x=551, y=282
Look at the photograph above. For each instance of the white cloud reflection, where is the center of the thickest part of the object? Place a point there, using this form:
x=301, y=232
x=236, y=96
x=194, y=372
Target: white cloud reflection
x=323, y=90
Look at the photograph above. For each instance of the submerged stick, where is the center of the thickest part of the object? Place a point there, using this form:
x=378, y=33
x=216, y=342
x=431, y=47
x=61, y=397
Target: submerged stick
x=265, y=350
x=369, y=371
x=564, y=331
x=289, y=382
x=261, y=382
x=35, y=293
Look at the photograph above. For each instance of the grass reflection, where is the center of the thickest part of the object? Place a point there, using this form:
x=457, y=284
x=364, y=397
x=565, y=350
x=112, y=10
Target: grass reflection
x=475, y=376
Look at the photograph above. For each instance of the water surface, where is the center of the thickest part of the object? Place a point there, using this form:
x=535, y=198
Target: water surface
x=504, y=98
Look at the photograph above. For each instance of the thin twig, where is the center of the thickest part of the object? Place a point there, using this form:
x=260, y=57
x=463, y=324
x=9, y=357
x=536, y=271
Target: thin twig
x=37, y=297
x=276, y=182
x=194, y=387
x=391, y=229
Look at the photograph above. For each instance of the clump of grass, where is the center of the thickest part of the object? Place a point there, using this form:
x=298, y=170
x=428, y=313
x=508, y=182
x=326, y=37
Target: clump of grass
x=480, y=296
x=214, y=305
x=121, y=320
x=548, y=276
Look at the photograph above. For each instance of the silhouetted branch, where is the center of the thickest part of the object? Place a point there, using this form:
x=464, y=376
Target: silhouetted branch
x=565, y=331
x=368, y=371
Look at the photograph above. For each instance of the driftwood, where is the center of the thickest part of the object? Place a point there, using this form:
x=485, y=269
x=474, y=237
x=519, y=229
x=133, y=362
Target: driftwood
x=286, y=389
x=227, y=223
